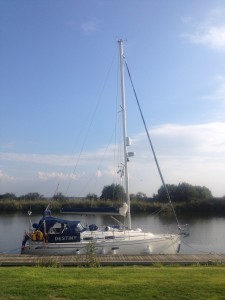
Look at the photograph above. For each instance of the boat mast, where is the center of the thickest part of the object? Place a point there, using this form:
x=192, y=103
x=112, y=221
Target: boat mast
x=125, y=139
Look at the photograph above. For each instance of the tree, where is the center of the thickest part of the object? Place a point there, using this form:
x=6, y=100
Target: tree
x=8, y=196
x=188, y=192
x=92, y=196
x=113, y=192
x=32, y=196
x=59, y=197
x=139, y=197
x=162, y=196
x=184, y=192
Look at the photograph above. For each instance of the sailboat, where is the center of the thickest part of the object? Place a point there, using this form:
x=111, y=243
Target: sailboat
x=56, y=236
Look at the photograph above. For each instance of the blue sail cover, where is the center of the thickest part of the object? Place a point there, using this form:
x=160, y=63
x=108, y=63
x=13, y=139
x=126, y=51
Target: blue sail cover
x=46, y=223
x=92, y=210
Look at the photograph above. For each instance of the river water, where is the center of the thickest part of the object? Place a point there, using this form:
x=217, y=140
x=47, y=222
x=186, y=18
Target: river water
x=206, y=234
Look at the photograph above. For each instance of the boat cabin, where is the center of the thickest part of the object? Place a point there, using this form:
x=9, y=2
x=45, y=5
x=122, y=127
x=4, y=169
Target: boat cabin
x=60, y=230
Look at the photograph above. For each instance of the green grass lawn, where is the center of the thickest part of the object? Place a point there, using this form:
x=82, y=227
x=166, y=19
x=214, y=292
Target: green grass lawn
x=206, y=282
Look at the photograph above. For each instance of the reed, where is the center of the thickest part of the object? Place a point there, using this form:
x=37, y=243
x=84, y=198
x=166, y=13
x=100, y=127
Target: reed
x=215, y=207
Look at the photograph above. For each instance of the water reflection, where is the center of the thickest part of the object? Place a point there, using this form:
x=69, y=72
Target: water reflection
x=206, y=233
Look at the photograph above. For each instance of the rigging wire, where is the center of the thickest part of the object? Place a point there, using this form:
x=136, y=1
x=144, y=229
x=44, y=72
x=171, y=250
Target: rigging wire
x=115, y=149
x=158, y=211
x=196, y=249
x=55, y=193
x=150, y=142
x=90, y=124
x=100, y=162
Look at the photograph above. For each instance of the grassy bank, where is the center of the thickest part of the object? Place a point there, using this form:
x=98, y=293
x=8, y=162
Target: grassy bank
x=112, y=283
x=38, y=206
x=215, y=207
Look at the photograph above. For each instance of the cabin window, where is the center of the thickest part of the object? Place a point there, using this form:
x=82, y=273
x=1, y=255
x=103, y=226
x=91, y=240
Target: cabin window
x=110, y=237
x=79, y=227
x=57, y=228
x=88, y=238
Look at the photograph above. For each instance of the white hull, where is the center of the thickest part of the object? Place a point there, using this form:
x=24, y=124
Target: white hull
x=129, y=242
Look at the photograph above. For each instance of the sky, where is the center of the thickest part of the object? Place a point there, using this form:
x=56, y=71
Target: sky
x=60, y=93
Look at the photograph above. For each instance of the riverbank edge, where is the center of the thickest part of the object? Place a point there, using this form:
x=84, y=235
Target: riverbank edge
x=213, y=207
x=210, y=259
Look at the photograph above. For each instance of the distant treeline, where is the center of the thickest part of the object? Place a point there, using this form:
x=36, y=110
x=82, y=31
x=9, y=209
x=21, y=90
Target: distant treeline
x=186, y=199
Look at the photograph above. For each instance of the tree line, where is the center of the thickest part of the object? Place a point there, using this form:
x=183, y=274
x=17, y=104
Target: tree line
x=183, y=192
x=185, y=197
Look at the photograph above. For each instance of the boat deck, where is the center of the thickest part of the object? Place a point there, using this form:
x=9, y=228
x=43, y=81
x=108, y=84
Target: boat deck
x=112, y=260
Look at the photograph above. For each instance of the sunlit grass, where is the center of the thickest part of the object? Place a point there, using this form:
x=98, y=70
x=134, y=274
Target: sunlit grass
x=112, y=283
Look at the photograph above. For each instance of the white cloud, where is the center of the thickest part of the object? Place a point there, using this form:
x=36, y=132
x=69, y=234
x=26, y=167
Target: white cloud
x=212, y=36
x=7, y=146
x=34, y=158
x=89, y=27
x=186, y=19
x=174, y=139
x=190, y=153
x=210, y=31
x=5, y=177
x=57, y=175
x=186, y=153
x=219, y=93
x=98, y=173
x=86, y=158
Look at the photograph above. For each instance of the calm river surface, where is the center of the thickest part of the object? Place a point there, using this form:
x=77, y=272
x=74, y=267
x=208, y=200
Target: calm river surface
x=207, y=234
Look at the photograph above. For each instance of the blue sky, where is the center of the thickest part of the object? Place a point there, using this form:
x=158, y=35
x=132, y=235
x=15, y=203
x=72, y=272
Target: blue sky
x=59, y=94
